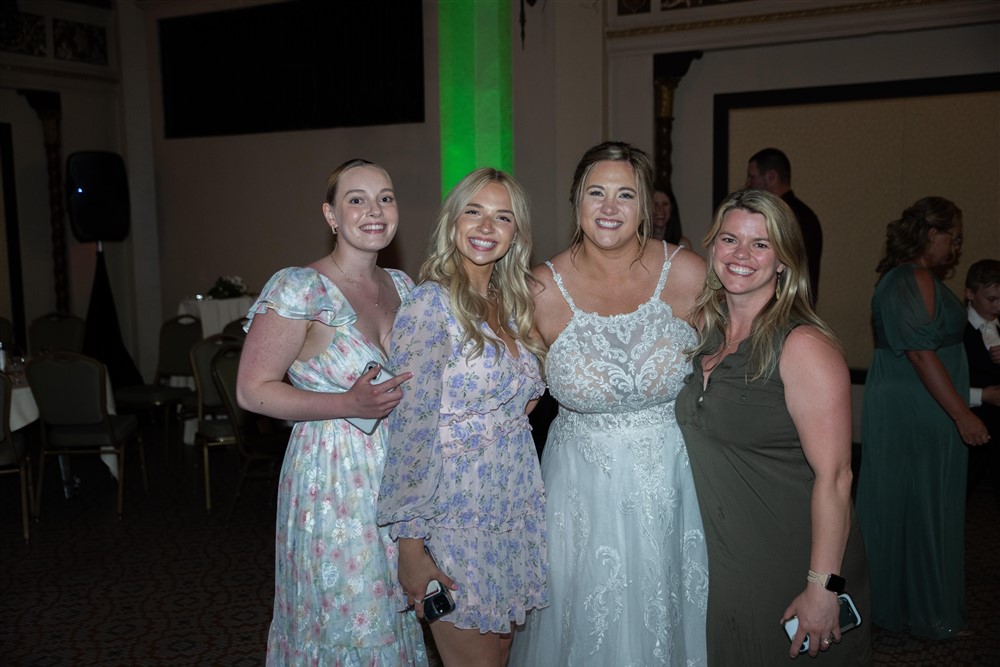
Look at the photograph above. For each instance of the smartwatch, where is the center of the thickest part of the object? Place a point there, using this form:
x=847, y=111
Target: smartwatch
x=831, y=582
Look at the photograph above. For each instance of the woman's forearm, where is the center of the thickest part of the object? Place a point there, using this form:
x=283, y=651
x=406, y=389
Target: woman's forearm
x=831, y=520
x=936, y=380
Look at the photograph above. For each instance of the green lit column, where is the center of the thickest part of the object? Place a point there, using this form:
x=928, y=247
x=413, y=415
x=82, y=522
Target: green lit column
x=475, y=80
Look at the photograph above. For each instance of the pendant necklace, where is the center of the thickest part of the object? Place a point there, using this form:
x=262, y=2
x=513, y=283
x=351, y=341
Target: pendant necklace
x=719, y=354
x=735, y=342
x=356, y=284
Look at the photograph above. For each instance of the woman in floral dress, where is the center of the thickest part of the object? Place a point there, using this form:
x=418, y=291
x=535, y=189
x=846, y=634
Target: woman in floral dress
x=321, y=325
x=462, y=491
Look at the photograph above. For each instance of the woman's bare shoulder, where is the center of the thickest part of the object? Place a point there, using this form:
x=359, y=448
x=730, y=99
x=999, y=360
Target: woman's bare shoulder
x=807, y=344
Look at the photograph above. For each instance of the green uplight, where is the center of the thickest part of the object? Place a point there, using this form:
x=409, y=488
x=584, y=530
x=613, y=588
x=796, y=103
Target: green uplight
x=475, y=82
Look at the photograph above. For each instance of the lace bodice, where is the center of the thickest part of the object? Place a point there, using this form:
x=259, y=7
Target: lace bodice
x=619, y=363
x=628, y=569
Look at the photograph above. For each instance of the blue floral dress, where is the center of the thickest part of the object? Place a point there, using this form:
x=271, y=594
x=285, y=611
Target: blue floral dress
x=333, y=565
x=462, y=471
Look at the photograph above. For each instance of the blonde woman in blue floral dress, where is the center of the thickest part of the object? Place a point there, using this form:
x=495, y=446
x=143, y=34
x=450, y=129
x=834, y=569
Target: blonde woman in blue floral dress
x=462, y=490
x=321, y=325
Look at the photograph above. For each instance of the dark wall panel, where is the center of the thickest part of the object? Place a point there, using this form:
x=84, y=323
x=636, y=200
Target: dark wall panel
x=302, y=65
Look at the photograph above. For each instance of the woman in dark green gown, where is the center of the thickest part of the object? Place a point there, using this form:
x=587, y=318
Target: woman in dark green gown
x=766, y=416
x=911, y=491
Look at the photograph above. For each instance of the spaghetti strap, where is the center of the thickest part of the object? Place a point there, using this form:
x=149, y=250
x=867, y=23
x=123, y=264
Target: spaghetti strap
x=562, y=288
x=661, y=283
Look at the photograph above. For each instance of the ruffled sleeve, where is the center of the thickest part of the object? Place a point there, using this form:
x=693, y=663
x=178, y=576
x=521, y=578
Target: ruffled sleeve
x=303, y=294
x=402, y=282
x=413, y=467
x=903, y=314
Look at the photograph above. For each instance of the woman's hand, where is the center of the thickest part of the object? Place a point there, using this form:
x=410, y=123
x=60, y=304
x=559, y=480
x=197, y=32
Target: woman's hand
x=375, y=401
x=818, y=611
x=972, y=429
x=416, y=570
x=935, y=378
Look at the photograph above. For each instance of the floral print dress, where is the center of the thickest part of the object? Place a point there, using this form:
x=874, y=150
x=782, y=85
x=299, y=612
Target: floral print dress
x=462, y=471
x=333, y=564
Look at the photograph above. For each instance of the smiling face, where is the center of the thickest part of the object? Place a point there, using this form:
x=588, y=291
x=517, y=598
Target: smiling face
x=485, y=228
x=743, y=256
x=363, y=210
x=661, y=214
x=609, y=205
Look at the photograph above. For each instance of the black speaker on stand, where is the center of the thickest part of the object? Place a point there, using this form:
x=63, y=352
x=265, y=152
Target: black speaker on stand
x=98, y=203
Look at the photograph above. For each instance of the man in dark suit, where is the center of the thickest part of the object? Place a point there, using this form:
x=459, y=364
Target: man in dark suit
x=982, y=348
x=770, y=170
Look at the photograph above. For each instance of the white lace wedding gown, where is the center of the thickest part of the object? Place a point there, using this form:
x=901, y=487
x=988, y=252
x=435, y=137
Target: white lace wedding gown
x=628, y=570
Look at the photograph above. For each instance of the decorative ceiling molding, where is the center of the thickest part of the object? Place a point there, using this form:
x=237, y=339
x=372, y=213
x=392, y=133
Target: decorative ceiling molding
x=60, y=40
x=768, y=22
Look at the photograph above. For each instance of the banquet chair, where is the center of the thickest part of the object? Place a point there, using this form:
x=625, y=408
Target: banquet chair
x=71, y=392
x=214, y=428
x=177, y=335
x=235, y=328
x=56, y=331
x=14, y=458
x=261, y=440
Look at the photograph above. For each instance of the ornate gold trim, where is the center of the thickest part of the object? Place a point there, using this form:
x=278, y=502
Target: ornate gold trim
x=874, y=5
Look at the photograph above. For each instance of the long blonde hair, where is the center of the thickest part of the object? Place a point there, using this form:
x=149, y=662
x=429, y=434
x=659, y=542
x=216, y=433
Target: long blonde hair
x=511, y=280
x=790, y=307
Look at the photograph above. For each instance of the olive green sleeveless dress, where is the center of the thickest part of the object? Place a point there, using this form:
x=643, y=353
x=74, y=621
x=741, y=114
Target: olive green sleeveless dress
x=754, y=488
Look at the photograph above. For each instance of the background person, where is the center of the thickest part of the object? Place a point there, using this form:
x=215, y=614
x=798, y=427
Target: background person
x=767, y=420
x=321, y=325
x=666, y=220
x=769, y=169
x=628, y=572
x=462, y=491
x=982, y=351
x=911, y=491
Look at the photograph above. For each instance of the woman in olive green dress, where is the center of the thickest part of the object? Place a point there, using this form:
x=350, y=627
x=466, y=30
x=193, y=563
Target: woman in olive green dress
x=911, y=491
x=766, y=416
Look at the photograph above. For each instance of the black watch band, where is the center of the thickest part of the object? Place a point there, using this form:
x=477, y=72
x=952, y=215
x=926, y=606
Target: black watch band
x=831, y=582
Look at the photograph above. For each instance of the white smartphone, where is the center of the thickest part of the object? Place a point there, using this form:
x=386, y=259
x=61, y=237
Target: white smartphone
x=849, y=619
x=365, y=424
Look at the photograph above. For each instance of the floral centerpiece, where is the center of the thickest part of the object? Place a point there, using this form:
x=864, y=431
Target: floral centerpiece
x=227, y=287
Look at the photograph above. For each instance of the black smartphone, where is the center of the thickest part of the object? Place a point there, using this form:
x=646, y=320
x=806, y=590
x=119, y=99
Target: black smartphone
x=438, y=601
x=849, y=619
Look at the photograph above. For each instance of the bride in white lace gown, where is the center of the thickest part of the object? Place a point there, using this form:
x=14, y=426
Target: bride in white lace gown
x=628, y=571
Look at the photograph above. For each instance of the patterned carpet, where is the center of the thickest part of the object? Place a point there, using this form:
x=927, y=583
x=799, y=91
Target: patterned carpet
x=173, y=586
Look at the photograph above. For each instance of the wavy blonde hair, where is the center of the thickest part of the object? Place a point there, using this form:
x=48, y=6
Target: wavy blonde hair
x=511, y=281
x=784, y=311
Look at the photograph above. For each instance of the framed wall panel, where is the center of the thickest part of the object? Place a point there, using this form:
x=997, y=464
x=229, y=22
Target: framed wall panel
x=860, y=155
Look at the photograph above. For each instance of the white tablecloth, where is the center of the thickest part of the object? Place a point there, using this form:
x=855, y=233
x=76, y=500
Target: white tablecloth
x=23, y=409
x=215, y=314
